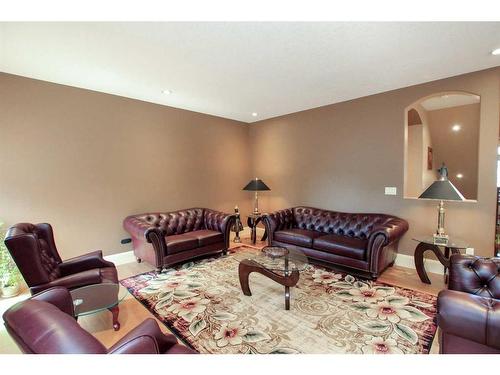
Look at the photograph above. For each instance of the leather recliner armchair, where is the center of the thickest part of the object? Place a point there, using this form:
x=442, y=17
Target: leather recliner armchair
x=469, y=311
x=34, y=251
x=44, y=324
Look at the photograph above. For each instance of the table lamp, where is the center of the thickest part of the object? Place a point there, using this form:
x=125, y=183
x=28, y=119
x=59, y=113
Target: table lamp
x=256, y=185
x=442, y=190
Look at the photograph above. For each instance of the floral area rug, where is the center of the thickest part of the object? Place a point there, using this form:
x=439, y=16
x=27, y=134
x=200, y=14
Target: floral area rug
x=202, y=303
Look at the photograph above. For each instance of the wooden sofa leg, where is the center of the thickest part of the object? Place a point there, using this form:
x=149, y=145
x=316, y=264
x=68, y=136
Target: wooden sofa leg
x=139, y=260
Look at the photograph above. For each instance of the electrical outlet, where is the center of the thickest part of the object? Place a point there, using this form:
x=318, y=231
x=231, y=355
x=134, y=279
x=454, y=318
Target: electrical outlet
x=469, y=250
x=391, y=190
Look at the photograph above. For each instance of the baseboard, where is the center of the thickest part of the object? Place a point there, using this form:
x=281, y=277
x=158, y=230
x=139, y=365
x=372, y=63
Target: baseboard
x=129, y=257
x=431, y=265
x=402, y=260
x=121, y=258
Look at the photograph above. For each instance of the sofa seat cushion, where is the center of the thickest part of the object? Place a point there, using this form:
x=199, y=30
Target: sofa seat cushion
x=207, y=237
x=345, y=246
x=295, y=236
x=177, y=243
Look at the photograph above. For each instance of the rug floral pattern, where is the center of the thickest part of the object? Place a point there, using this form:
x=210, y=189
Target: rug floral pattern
x=330, y=312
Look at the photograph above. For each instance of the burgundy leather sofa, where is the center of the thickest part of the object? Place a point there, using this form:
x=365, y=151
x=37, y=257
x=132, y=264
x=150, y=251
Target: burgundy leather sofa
x=44, y=324
x=163, y=239
x=34, y=251
x=365, y=244
x=469, y=311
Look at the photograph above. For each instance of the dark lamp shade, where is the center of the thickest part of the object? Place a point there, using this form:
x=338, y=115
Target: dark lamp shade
x=256, y=185
x=442, y=190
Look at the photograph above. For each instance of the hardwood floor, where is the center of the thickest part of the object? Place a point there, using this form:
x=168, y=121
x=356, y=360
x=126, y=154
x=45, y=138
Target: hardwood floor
x=132, y=312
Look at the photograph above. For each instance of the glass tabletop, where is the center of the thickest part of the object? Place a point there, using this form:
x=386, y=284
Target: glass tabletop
x=93, y=298
x=277, y=258
x=455, y=243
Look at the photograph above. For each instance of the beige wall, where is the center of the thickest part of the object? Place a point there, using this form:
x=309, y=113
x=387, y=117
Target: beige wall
x=83, y=160
x=428, y=175
x=414, y=184
x=341, y=156
x=418, y=177
x=459, y=150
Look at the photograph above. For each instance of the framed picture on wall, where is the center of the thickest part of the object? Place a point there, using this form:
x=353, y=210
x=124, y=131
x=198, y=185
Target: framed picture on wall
x=429, y=158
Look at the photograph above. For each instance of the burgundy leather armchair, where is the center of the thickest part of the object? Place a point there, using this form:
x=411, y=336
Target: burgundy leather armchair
x=469, y=311
x=364, y=244
x=33, y=249
x=44, y=324
x=163, y=239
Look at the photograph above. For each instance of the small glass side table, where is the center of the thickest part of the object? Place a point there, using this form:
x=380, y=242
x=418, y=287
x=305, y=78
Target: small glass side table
x=93, y=298
x=426, y=243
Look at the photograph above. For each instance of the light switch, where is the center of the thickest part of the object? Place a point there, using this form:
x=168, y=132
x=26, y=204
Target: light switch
x=391, y=190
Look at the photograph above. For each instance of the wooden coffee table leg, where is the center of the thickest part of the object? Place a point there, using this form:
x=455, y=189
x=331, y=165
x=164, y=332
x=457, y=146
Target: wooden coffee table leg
x=244, y=270
x=247, y=266
x=115, y=310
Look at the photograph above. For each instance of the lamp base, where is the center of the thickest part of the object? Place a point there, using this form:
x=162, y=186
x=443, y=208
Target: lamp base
x=440, y=239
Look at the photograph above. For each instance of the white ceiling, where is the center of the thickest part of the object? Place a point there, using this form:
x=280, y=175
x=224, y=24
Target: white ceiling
x=448, y=101
x=234, y=69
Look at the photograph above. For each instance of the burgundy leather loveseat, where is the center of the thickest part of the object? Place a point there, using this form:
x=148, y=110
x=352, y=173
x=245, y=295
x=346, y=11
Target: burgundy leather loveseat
x=469, y=311
x=44, y=324
x=365, y=244
x=163, y=239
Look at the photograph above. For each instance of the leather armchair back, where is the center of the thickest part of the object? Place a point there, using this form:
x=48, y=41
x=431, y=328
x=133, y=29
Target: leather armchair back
x=33, y=249
x=177, y=222
x=475, y=275
x=41, y=328
x=339, y=223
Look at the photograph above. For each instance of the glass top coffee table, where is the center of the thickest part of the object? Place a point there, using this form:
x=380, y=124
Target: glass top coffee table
x=280, y=264
x=91, y=299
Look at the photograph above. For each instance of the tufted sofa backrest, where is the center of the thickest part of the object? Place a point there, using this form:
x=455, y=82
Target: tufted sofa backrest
x=177, y=222
x=475, y=275
x=339, y=223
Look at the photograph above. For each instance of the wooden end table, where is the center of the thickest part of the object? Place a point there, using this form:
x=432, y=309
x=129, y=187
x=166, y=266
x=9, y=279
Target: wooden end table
x=426, y=243
x=252, y=221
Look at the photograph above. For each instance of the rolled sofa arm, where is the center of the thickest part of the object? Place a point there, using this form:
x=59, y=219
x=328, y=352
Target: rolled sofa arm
x=136, y=226
x=139, y=229
x=278, y=220
x=219, y=221
x=392, y=230
x=470, y=317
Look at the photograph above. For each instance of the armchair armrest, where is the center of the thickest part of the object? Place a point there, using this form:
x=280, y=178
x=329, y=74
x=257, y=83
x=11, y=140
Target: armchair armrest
x=392, y=230
x=278, y=220
x=84, y=263
x=58, y=296
x=75, y=280
x=146, y=338
x=470, y=317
